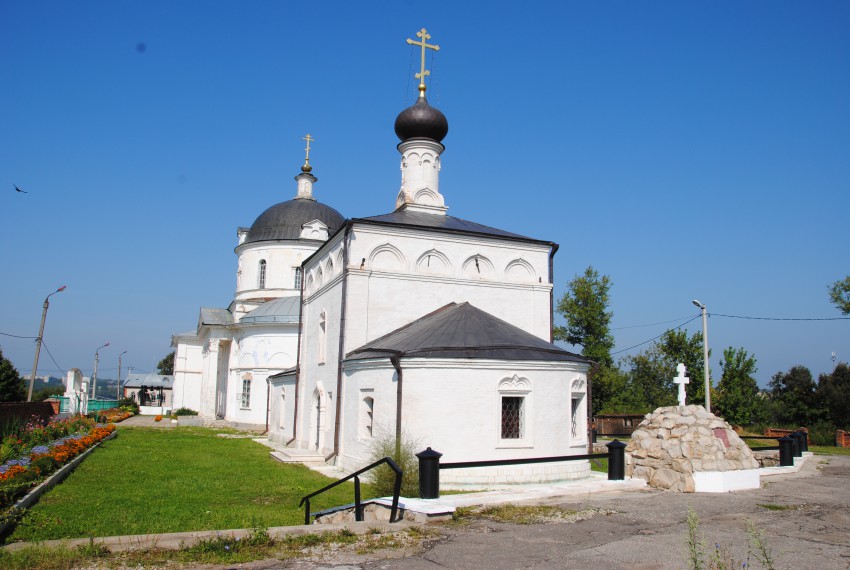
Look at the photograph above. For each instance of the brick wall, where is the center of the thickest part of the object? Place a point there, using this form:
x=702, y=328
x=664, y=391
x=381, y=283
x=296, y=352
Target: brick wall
x=842, y=438
x=780, y=432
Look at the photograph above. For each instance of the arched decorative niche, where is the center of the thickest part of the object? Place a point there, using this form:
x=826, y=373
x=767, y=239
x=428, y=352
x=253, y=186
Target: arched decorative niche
x=435, y=262
x=478, y=267
x=387, y=257
x=520, y=271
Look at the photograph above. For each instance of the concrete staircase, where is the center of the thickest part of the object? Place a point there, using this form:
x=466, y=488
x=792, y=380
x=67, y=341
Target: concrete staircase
x=304, y=456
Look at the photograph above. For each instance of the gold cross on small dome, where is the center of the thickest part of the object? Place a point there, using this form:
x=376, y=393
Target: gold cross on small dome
x=307, y=167
x=421, y=75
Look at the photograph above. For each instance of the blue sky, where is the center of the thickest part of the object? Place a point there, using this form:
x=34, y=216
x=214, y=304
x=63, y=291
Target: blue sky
x=685, y=149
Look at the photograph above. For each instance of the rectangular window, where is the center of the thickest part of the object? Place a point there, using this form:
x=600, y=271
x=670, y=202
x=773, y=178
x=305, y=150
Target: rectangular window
x=246, y=394
x=512, y=417
x=297, y=282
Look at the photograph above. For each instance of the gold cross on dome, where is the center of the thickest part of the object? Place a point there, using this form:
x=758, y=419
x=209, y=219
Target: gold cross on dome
x=307, y=167
x=421, y=75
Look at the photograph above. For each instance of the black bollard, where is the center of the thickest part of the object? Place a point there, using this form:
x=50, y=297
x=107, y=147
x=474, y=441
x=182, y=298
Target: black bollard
x=616, y=460
x=429, y=474
x=786, y=451
x=804, y=441
x=798, y=445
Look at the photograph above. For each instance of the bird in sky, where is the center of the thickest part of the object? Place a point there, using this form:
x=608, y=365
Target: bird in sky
x=21, y=191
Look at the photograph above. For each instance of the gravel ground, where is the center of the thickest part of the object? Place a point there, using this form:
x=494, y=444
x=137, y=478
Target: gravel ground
x=803, y=517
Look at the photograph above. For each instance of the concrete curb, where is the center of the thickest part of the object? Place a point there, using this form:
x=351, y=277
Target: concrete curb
x=58, y=476
x=177, y=540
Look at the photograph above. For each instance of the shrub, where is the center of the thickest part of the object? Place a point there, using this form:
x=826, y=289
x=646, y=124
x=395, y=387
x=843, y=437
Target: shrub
x=183, y=412
x=383, y=477
x=128, y=405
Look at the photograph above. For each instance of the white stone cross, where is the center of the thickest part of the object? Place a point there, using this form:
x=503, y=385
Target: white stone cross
x=681, y=380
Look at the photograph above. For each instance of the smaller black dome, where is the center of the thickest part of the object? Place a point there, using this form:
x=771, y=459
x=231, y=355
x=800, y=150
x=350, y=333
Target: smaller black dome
x=284, y=220
x=421, y=121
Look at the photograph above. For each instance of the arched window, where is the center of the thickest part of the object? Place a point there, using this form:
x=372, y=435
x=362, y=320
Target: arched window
x=514, y=406
x=281, y=418
x=297, y=281
x=261, y=276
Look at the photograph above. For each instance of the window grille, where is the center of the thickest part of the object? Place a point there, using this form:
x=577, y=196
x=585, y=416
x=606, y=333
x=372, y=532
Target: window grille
x=297, y=284
x=261, y=281
x=246, y=393
x=512, y=417
x=574, y=415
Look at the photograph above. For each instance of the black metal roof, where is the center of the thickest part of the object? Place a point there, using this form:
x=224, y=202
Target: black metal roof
x=447, y=223
x=462, y=331
x=284, y=220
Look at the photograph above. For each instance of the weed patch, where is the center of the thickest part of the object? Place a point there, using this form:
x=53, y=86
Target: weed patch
x=517, y=514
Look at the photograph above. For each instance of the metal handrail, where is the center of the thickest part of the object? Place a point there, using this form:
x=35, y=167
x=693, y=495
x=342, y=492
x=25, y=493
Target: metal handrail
x=498, y=462
x=358, y=507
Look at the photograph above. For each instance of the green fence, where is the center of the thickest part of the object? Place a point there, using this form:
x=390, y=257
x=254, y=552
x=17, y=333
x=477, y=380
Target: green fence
x=94, y=405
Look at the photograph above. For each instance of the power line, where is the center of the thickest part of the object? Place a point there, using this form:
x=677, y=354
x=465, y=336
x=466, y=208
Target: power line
x=18, y=336
x=655, y=337
x=651, y=324
x=777, y=318
x=53, y=359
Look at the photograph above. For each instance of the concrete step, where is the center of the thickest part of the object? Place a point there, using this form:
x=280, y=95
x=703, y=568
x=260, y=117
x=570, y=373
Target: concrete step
x=303, y=456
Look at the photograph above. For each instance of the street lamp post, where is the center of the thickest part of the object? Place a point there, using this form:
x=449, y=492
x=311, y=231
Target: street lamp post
x=94, y=375
x=38, y=341
x=118, y=390
x=705, y=354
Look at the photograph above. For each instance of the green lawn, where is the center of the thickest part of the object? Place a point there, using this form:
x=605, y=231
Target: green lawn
x=830, y=450
x=183, y=479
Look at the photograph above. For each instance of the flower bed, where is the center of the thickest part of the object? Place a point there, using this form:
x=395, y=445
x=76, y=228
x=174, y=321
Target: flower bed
x=114, y=415
x=36, y=451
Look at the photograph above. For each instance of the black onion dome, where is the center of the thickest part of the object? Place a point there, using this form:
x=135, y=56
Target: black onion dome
x=421, y=121
x=284, y=220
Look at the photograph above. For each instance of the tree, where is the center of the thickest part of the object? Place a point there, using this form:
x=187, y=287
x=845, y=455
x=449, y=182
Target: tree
x=834, y=394
x=652, y=371
x=738, y=398
x=584, y=306
x=12, y=386
x=794, y=397
x=43, y=393
x=839, y=294
x=166, y=365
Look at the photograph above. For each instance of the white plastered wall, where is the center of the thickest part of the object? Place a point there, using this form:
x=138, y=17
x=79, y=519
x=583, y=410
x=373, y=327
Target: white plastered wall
x=281, y=258
x=188, y=372
x=410, y=273
x=453, y=406
x=322, y=296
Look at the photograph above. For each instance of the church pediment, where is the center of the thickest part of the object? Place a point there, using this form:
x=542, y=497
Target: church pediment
x=314, y=230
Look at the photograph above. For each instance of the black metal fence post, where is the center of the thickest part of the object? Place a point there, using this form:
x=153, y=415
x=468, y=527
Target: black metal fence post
x=429, y=474
x=786, y=451
x=617, y=460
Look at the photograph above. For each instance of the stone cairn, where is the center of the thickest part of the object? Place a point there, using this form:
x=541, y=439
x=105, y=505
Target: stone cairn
x=673, y=442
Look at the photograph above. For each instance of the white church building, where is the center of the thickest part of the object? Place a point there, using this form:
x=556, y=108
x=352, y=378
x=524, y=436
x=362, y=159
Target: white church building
x=413, y=321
